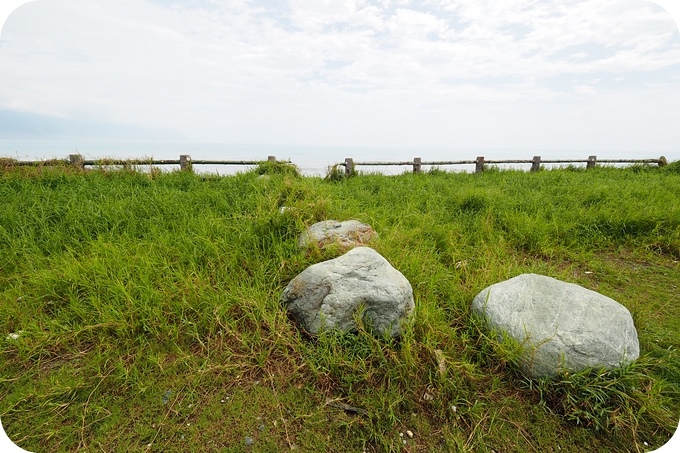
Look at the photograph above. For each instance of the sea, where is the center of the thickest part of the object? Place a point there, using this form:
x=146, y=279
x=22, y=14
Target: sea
x=311, y=160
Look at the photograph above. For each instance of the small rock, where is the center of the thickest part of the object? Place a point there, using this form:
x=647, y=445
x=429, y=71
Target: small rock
x=249, y=441
x=441, y=362
x=409, y=433
x=15, y=335
x=428, y=397
x=166, y=396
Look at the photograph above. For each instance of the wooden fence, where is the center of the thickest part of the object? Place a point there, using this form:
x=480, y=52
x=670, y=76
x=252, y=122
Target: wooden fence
x=480, y=163
x=76, y=160
x=185, y=162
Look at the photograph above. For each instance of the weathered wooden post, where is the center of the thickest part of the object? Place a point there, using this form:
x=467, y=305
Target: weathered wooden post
x=662, y=161
x=77, y=161
x=592, y=160
x=416, y=164
x=271, y=159
x=479, y=164
x=185, y=162
x=536, y=163
x=349, y=166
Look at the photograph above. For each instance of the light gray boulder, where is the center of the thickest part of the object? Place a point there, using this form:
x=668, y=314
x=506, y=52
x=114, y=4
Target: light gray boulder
x=348, y=234
x=360, y=283
x=561, y=326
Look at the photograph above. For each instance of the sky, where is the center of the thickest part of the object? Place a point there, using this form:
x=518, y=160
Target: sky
x=567, y=75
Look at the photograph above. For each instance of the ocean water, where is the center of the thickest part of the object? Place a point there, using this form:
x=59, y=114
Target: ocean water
x=311, y=160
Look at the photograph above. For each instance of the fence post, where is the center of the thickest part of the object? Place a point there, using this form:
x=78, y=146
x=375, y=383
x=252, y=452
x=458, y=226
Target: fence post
x=185, y=162
x=479, y=164
x=592, y=160
x=349, y=166
x=76, y=160
x=536, y=163
x=271, y=159
x=662, y=161
x=416, y=164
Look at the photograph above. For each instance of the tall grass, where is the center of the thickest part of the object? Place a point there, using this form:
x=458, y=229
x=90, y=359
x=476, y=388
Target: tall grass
x=145, y=311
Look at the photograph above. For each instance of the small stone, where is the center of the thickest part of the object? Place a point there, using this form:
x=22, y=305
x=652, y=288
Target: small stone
x=249, y=441
x=401, y=434
x=261, y=427
x=441, y=362
x=428, y=397
x=454, y=408
x=409, y=433
x=15, y=335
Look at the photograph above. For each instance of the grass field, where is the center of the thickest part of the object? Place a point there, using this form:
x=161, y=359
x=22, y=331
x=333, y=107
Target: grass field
x=140, y=311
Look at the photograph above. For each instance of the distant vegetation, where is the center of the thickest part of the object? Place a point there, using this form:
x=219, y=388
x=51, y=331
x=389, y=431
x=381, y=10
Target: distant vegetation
x=140, y=311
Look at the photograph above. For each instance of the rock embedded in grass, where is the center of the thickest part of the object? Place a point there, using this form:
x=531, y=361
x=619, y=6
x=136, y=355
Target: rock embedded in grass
x=560, y=326
x=350, y=233
x=360, y=284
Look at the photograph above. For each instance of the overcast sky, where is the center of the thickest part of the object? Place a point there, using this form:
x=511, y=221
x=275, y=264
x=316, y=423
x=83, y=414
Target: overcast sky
x=512, y=74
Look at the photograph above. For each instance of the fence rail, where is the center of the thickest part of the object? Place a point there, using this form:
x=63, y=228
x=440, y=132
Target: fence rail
x=185, y=162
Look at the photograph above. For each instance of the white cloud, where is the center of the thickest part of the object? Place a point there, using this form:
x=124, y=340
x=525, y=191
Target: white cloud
x=331, y=70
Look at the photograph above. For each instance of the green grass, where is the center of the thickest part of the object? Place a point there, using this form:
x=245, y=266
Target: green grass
x=148, y=313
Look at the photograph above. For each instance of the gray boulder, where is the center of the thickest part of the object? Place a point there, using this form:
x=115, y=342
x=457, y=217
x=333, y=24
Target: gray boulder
x=561, y=326
x=348, y=234
x=360, y=283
